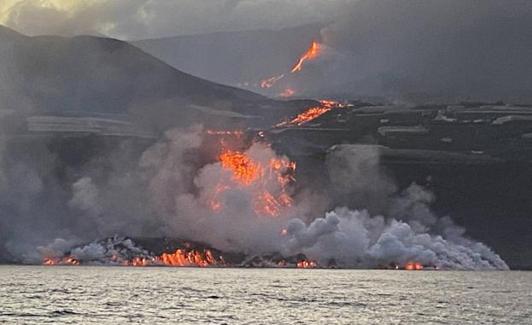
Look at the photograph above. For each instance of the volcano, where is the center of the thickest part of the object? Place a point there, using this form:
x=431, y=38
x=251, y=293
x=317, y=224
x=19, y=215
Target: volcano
x=100, y=77
x=235, y=58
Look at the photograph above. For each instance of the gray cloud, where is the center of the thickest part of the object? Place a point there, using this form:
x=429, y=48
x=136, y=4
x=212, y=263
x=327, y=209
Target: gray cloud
x=464, y=49
x=136, y=19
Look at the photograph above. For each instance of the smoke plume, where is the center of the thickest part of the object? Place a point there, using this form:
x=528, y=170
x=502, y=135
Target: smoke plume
x=176, y=193
x=433, y=50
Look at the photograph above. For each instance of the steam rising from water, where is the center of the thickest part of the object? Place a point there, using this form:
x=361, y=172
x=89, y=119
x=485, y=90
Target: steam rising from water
x=176, y=190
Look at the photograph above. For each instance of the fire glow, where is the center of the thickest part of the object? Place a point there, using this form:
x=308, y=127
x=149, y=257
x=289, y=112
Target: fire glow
x=312, y=53
x=288, y=92
x=256, y=177
x=270, y=82
x=413, y=266
x=180, y=258
x=311, y=113
x=67, y=260
x=307, y=264
x=243, y=168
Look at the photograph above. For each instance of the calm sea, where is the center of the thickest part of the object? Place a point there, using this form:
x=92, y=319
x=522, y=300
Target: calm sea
x=115, y=295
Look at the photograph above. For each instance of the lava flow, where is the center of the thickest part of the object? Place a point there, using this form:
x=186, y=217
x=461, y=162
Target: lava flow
x=312, y=53
x=67, y=260
x=288, y=92
x=244, y=169
x=268, y=182
x=413, y=266
x=270, y=82
x=311, y=113
x=180, y=258
x=191, y=258
x=307, y=264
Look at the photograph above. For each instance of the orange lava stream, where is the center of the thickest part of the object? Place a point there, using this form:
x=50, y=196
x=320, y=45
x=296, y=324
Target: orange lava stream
x=190, y=258
x=309, y=115
x=312, y=53
x=180, y=258
x=270, y=82
x=312, y=113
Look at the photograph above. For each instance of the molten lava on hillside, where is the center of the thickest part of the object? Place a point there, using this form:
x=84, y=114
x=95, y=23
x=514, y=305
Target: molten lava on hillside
x=268, y=182
x=270, y=82
x=314, y=51
x=311, y=113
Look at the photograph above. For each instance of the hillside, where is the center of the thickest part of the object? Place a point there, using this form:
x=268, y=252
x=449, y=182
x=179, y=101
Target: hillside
x=87, y=75
x=234, y=58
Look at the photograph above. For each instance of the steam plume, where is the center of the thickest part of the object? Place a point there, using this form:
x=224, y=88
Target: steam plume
x=179, y=188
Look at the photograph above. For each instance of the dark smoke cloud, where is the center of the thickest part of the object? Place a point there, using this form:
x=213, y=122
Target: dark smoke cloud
x=434, y=49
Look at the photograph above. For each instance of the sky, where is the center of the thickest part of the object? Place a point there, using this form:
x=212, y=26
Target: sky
x=139, y=19
x=473, y=49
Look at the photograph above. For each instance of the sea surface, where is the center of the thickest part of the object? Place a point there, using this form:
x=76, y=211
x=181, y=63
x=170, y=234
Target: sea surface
x=119, y=295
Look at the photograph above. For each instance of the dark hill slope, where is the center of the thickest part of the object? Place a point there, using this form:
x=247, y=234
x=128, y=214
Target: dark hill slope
x=234, y=57
x=89, y=75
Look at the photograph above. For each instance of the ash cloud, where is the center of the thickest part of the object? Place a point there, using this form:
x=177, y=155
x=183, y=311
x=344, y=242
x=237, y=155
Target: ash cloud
x=434, y=50
x=416, y=51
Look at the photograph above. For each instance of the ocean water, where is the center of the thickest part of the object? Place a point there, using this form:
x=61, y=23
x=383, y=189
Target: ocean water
x=116, y=295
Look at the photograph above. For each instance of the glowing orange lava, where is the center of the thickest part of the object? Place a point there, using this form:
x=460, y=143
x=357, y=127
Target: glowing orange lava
x=268, y=182
x=413, y=266
x=270, y=82
x=312, y=53
x=312, y=113
x=67, y=260
x=244, y=169
x=307, y=116
x=307, y=264
x=331, y=103
x=191, y=258
x=180, y=258
x=288, y=92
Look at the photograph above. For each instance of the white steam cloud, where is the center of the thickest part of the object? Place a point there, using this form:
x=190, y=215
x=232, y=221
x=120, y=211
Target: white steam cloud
x=349, y=238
